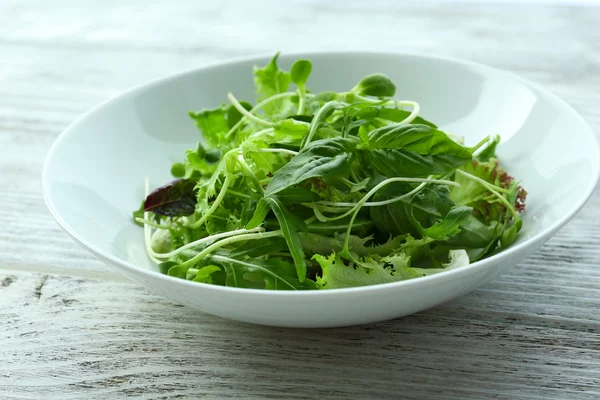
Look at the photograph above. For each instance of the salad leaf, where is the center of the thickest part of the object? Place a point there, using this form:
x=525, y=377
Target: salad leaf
x=213, y=124
x=318, y=244
x=445, y=228
x=321, y=158
x=327, y=190
x=289, y=226
x=375, y=85
x=277, y=273
x=204, y=274
x=300, y=72
x=376, y=270
x=234, y=116
x=269, y=81
x=490, y=150
x=173, y=199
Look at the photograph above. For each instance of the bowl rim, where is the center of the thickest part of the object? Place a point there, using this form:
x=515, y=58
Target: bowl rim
x=261, y=57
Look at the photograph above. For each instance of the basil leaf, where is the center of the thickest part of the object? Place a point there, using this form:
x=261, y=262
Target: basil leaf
x=324, y=157
x=393, y=162
x=413, y=151
x=422, y=139
x=393, y=219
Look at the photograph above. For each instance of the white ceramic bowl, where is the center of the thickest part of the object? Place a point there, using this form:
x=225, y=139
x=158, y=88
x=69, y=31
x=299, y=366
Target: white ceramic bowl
x=93, y=175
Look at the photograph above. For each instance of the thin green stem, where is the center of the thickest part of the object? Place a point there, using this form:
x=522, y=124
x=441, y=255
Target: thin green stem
x=215, y=203
x=206, y=240
x=372, y=192
x=483, y=182
x=317, y=120
x=363, y=201
x=347, y=182
x=261, y=132
x=225, y=242
x=220, y=258
x=238, y=194
x=393, y=200
x=246, y=113
x=310, y=220
x=148, y=228
x=152, y=223
x=255, y=108
x=494, y=190
x=301, y=100
x=276, y=150
x=481, y=143
x=249, y=173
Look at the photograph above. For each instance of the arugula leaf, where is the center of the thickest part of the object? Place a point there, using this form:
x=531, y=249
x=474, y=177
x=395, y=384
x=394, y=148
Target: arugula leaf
x=326, y=157
x=256, y=248
x=204, y=274
x=262, y=209
x=289, y=226
x=269, y=81
x=361, y=226
x=448, y=227
x=277, y=273
x=173, y=199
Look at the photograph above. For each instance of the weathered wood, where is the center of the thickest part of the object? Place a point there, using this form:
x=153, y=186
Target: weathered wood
x=70, y=327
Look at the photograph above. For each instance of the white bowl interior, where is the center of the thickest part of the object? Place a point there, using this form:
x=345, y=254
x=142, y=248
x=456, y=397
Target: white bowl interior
x=93, y=178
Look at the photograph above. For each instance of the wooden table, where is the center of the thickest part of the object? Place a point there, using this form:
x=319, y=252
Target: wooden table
x=70, y=327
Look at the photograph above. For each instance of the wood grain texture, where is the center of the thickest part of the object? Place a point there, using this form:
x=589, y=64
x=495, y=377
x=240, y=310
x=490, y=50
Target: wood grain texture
x=72, y=328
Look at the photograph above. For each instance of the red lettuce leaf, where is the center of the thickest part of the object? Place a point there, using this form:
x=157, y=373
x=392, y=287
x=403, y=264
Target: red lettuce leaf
x=173, y=199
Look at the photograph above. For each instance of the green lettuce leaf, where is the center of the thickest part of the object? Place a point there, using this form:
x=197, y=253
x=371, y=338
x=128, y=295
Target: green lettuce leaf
x=374, y=270
x=213, y=125
x=269, y=81
x=314, y=243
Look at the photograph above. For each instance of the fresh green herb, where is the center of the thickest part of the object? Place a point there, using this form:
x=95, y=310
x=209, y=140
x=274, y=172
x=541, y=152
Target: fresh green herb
x=327, y=190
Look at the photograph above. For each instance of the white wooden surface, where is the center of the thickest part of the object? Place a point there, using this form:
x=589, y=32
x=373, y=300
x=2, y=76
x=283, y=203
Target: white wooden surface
x=72, y=328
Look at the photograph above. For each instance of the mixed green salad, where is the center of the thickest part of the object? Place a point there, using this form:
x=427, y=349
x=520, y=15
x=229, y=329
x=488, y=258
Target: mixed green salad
x=327, y=190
